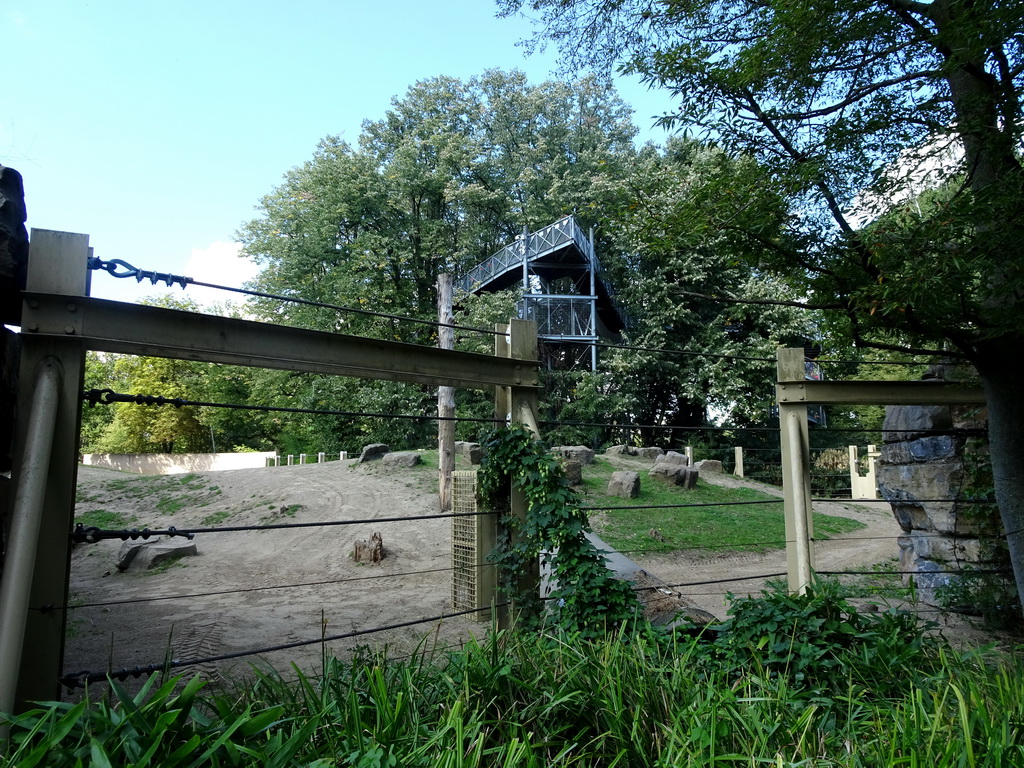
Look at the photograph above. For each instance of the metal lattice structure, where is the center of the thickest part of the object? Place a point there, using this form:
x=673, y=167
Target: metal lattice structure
x=563, y=287
x=560, y=316
x=534, y=246
x=466, y=544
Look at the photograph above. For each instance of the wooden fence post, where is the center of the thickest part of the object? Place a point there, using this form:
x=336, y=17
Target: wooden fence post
x=796, y=479
x=445, y=397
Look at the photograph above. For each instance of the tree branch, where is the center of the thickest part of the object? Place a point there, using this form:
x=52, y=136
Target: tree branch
x=766, y=302
x=856, y=96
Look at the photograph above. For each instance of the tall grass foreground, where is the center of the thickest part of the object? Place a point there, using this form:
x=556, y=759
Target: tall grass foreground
x=786, y=681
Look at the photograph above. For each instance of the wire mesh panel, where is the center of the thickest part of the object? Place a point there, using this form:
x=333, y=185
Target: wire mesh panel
x=465, y=541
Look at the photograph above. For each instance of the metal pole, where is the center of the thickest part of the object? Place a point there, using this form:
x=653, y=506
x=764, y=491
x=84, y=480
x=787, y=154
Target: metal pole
x=26, y=521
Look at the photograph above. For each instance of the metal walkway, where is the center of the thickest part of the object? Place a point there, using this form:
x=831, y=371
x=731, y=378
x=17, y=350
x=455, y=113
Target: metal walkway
x=535, y=261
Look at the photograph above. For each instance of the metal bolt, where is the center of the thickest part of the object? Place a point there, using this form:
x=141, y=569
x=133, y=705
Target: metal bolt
x=33, y=326
x=69, y=329
x=72, y=307
x=33, y=303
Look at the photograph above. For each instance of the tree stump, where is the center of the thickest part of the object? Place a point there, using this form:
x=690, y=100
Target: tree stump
x=371, y=551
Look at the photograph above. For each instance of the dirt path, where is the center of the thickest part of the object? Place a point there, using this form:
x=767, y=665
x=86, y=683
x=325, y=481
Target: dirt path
x=742, y=573
x=337, y=595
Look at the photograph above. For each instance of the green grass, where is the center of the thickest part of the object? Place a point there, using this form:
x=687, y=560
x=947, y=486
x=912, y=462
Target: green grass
x=217, y=517
x=168, y=494
x=515, y=700
x=755, y=527
x=101, y=518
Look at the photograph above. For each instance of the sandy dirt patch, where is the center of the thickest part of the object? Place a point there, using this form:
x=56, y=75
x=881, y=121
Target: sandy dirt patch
x=289, y=586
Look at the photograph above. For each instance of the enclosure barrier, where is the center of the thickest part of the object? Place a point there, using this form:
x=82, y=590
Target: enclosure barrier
x=793, y=393
x=61, y=321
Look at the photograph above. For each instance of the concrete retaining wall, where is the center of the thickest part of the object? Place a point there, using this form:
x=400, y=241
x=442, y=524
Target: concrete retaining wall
x=176, y=463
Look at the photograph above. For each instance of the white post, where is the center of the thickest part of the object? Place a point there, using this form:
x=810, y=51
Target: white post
x=291, y=459
x=689, y=455
x=321, y=457
x=738, y=453
x=796, y=489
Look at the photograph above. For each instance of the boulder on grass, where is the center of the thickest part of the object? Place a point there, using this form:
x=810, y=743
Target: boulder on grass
x=709, y=465
x=621, y=450
x=472, y=451
x=573, y=471
x=402, y=459
x=579, y=453
x=374, y=451
x=624, y=484
x=649, y=453
x=674, y=458
x=685, y=477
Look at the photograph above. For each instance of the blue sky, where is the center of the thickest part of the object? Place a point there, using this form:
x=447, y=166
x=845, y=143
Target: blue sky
x=155, y=128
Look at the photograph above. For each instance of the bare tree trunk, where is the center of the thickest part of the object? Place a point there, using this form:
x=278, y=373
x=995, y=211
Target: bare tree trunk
x=445, y=398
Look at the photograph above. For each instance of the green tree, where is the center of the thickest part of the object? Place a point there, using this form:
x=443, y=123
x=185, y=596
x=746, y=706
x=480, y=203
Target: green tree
x=451, y=173
x=852, y=107
x=689, y=352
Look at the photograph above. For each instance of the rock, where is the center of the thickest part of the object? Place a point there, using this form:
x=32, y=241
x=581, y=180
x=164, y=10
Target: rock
x=624, y=484
x=649, y=453
x=472, y=451
x=126, y=555
x=621, y=450
x=579, y=453
x=404, y=459
x=144, y=555
x=374, y=451
x=922, y=476
x=371, y=551
x=709, y=465
x=674, y=458
x=907, y=422
x=686, y=477
x=573, y=471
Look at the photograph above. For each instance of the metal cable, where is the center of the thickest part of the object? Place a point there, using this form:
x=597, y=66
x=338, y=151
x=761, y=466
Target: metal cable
x=92, y=534
x=79, y=679
x=243, y=590
x=110, y=397
x=113, y=265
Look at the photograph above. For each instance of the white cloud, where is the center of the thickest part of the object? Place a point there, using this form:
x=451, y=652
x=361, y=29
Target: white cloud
x=219, y=264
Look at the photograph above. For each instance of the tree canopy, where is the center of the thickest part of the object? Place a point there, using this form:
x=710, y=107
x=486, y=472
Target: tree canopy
x=893, y=130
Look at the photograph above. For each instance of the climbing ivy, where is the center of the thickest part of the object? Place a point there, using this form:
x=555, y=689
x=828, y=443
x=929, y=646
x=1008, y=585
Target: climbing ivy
x=588, y=598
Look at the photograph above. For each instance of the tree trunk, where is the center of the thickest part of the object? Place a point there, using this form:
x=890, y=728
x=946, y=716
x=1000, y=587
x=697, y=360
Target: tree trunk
x=1002, y=374
x=445, y=398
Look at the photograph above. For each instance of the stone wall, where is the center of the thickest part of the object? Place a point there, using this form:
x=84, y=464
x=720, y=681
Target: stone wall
x=176, y=463
x=929, y=480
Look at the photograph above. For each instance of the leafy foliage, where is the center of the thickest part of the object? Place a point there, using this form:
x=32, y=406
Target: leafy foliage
x=517, y=699
x=588, y=598
x=819, y=642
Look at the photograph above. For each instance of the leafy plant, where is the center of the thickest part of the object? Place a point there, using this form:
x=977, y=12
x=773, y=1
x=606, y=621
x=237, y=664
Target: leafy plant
x=820, y=641
x=588, y=597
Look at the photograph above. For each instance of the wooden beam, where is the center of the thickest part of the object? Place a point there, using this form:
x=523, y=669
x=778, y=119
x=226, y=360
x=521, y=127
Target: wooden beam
x=110, y=326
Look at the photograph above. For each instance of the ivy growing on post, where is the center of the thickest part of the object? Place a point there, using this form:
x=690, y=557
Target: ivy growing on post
x=588, y=598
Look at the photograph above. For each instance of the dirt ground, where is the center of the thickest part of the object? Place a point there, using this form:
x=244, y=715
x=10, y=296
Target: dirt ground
x=300, y=585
